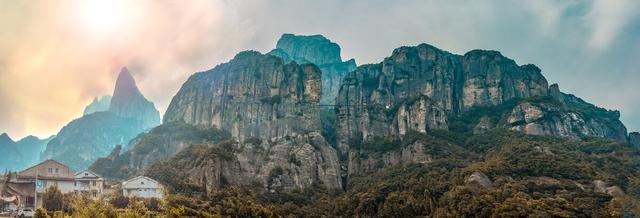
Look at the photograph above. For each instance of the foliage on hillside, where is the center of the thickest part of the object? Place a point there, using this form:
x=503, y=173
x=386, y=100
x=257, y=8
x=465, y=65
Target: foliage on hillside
x=532, y=175
x=159, y=140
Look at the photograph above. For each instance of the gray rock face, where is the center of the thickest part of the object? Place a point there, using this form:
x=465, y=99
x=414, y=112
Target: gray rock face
x=284, y=164
x=362, y=163
x=258, y=97
x=323, y=53
x=447, y=83
x=253, y=95
x=552, y=119
x=480, y=179
x=128, y=102
x=98, y=104
x=634, y=138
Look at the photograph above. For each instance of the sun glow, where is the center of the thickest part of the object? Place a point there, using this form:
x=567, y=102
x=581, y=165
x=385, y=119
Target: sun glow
x=106, y=17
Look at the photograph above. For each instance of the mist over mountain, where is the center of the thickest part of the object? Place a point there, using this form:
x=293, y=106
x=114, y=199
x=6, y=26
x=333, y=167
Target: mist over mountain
x=21, y=154
x=94, y=135
x=98, y=104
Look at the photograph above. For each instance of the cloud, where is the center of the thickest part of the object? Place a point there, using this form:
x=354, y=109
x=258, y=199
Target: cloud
x=51, y=66
x=608, y=19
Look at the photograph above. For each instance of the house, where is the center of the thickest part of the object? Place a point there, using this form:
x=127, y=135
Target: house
x=37, y=179
x=88, y=182
x=143, y=187
x=30, y=184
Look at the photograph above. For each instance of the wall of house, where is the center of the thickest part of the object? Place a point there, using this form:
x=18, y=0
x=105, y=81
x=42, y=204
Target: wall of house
x=144, y=192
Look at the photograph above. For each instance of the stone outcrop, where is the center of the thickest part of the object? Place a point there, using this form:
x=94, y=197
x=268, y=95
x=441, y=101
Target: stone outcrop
x=421, y=88
x=318, y=50
x=272, y=109
x=553, y=119
x=253, y=95
x=128, y=102
x=634, y=138
x=98, y=104
x=449, y=84
x=480, y=179
x=281, y=165
x=362, y=162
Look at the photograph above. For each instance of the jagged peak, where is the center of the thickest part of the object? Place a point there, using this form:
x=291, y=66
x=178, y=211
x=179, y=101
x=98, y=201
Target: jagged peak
x=125, y=82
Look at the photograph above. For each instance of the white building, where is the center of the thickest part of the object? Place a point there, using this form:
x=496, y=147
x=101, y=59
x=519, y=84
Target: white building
x=88, y=182
x=143, y=187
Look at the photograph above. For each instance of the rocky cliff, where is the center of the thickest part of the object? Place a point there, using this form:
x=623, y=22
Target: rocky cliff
x=318, y=50
x=98, y=104
x=422, y=88
x=128, y=102
x=271, y=108
x=253, y=95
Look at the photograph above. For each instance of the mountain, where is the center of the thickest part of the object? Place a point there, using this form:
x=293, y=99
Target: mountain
x=423, y=133
x=10, y=153
x=98, y=104
x=422, y=88
x=270, y=110
x=318, y=50
x=31, y=147
x=94, y=135
x=128, y=102
x=21, y=154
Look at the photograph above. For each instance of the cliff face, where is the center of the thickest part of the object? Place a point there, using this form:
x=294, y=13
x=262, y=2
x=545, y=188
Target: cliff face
x=285, y=164
x=440, y=83
x=318, y=50
x=422, y=88
x=253, y=95
x=128, y=102
x=271, y=109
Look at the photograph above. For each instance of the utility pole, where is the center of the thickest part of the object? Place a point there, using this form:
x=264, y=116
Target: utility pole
x=35, y=198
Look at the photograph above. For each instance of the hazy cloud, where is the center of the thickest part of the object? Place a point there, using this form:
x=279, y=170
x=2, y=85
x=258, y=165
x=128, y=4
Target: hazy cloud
x=52, y=63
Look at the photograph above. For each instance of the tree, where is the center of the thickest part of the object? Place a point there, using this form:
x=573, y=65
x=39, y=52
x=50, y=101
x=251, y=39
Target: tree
x=53, y=199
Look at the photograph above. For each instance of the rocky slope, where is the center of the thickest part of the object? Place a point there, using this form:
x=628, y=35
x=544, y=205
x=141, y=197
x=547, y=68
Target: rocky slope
x=422, y=89
x=98, y=104
x=271, y=108
x=94, y=135
x=128, y=102
x=318, y=50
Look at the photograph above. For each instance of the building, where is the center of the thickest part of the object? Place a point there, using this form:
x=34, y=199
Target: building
x=30, y=184
x=143, y=187
x=88, y=182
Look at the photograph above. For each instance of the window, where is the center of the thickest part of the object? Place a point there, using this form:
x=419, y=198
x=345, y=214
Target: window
x=86, y=174
x=75, y=183
x=142, y=182
x=56, y=170
x=93, y=183
x=50, y=170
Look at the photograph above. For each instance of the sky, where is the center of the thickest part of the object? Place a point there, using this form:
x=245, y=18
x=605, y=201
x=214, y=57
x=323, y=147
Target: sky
x=56, y=56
